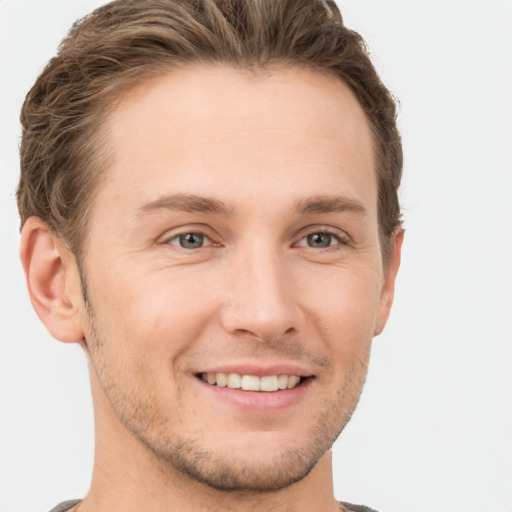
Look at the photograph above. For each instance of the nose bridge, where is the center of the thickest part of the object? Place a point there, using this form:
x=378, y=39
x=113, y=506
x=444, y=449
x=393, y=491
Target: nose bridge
x=261, y=302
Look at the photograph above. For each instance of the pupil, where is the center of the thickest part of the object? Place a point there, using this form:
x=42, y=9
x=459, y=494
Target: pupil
x=191, y=240
x=319, y=240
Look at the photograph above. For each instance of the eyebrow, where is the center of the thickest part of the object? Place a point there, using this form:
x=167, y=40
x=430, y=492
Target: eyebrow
x=330, y=204
x=199, y=204
x=188, y=203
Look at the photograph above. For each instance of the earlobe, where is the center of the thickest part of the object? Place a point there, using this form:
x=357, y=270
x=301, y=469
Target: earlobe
x=52, y=280
x=388, y=288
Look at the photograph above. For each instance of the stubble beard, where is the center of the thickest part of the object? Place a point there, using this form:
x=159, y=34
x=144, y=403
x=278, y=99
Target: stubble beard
x=192, y=458
x=241, y=474
x=238, y=472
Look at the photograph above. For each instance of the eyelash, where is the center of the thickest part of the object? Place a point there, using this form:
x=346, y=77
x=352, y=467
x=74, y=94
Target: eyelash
x=341, y=239
x=179, y=236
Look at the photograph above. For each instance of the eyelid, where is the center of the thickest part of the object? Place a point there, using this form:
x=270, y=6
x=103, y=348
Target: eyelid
x=342, y=236
x=207, y=239
x=173, y=233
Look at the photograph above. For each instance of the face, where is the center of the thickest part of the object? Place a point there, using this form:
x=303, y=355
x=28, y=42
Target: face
x=234, y=242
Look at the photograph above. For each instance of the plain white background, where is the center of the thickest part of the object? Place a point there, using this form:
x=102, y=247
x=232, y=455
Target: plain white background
x=433, y=431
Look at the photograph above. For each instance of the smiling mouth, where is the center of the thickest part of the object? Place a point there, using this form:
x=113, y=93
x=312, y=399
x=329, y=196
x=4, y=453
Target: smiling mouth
x=268, y=383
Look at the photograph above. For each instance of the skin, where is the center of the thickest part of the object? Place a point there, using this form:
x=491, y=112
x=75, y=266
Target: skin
x=256, y=164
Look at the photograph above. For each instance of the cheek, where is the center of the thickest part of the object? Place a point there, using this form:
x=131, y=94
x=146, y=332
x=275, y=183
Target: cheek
x=159, y=313
x=136, y=339
x=344, y=308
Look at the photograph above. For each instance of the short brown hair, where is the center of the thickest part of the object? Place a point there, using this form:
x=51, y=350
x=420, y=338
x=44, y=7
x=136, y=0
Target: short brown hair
x=128, y=41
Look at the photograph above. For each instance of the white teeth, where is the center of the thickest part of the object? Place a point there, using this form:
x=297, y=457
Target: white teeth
x=293, y=380
x=251, y=382
x=282, y=381
x=269, y=383
x=234, y=381
x=222, y=380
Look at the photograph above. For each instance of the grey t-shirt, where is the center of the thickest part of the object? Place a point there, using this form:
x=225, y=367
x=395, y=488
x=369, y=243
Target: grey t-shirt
x=66, y=505
x=357, y=508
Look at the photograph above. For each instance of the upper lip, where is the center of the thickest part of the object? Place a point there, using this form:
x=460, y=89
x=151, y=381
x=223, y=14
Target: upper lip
x=258, y=370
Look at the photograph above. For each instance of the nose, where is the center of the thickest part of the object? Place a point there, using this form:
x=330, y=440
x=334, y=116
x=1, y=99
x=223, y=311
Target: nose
x=261, y=302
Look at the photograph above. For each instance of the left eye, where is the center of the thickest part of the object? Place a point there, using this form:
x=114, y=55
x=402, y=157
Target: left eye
x=190, y=240
x=319, y=240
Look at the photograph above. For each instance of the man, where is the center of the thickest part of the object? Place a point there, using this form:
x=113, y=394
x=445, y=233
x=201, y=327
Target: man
x=209, y=207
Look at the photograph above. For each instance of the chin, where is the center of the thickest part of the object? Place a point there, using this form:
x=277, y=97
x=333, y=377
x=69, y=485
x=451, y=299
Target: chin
x=265, y=472
x=267, y=462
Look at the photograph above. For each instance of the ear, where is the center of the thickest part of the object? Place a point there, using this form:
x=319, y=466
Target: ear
x=52, y=279
x=388, y=288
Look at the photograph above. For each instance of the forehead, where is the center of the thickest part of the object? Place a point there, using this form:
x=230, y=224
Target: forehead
x=233, y=134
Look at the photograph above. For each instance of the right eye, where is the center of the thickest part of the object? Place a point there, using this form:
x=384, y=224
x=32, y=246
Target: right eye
x=321, y=240
x=190, y=240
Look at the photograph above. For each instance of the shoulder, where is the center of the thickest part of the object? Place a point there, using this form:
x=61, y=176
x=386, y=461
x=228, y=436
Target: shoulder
x=355, y=508
x=64, y=506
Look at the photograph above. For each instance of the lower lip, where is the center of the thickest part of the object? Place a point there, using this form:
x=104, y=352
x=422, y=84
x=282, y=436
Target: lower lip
x=259, y=401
